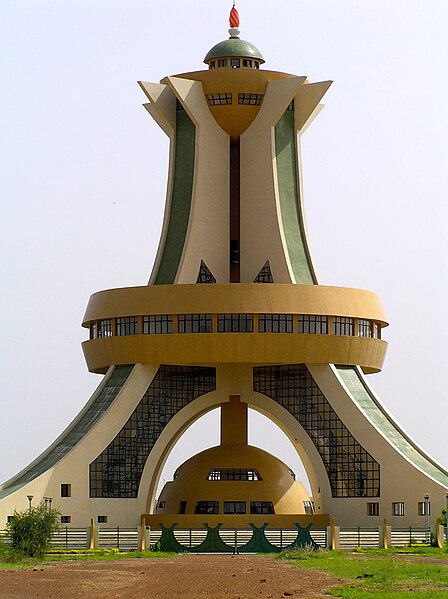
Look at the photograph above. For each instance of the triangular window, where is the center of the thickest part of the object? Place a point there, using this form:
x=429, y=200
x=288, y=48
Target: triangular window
x=265, y=275
x=205, y=276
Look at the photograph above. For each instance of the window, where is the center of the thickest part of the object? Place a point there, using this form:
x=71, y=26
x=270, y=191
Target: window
x=249, y=99
x=364, y=328
x=182, y=507
x=235, y=323
x=94, y=330
x=222, y=62
x=275, y=323
x=219, y=99
x=351, y=470
x=117, y=471
x=66, y=519
x=234, y=474
x=161, y=505
x=205, y=275
x=265, y=274
x=102, y=519
x=422, y=508
x=212, y=64
x=235, y=63
x=376, y=331
x=66, y=490
x=157, y=325
x=247, y=63
x=9, y=518
x=373, y=509
x=314, y=325
x=261, y=507
x=207, y=507
x=398, y=508
x=308, y=507
x=126, y=325
x=256, y=64
x=105, y=328
x=195, y=323
x=234, y=507
x=342, y=325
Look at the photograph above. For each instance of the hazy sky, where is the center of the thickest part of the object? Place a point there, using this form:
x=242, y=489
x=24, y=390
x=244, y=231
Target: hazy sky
x=83, y=173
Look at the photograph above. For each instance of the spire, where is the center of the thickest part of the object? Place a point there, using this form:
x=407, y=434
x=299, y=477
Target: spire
x=234, y=21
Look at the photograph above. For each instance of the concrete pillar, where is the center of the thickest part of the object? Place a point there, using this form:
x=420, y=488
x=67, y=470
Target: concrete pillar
x=143, y=535
x=440, y=533
x=333, y=533
x=385, y=535
x=92, y=535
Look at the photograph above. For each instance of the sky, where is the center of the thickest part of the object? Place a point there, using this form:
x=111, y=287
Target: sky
x=83, y=172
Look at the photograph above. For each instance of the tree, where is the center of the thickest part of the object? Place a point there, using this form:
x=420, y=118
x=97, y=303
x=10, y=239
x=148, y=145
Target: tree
x=31, y=531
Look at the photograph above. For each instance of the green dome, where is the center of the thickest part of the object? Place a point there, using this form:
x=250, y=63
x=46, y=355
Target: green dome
x=234, y=47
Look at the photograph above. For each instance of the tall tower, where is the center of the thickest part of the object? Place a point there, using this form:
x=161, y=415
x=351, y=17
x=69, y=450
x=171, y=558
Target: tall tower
x=233, y=317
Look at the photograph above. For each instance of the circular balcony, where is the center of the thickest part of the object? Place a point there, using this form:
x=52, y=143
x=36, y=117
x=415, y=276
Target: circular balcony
x=234, y=323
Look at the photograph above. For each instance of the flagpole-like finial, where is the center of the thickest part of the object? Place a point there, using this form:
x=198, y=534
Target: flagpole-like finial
x=234, y=21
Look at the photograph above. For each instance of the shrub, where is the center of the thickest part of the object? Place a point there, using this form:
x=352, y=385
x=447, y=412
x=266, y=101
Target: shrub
x=30, y=532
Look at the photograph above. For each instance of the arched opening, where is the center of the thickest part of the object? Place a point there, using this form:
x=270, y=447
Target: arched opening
x=205, y=431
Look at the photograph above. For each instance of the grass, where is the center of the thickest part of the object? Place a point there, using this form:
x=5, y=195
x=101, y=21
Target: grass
x=380, y=574
x=10, y=559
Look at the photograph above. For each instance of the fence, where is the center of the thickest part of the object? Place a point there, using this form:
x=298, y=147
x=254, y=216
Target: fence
x=127, y=539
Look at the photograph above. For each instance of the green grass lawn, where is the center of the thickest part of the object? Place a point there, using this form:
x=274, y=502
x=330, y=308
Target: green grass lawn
x=381, y=574
x=10, y=560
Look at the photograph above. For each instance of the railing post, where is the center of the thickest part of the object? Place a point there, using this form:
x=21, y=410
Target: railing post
x=281, y=538
x=359, y=536
x=190, y=539
x=118, y=537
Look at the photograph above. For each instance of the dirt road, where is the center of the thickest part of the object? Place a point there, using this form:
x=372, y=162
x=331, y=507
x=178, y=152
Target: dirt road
x=183, y=577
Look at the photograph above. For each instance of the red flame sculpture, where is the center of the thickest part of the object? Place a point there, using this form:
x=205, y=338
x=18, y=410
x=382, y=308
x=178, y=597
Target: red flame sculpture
x=234, y=18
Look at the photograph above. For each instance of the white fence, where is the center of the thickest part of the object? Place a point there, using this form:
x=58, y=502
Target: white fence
x=127, y=539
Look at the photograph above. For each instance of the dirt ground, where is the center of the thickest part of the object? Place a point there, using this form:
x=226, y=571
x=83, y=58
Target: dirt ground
x=183, y=577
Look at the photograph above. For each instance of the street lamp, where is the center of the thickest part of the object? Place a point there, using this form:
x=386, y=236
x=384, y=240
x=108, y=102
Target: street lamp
x=446, y=519
x=30, y=499
x=427, y=538
x=48, y=501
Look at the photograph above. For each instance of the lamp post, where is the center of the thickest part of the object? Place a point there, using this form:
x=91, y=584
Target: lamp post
x=30, y=499
x=48, y=501
x=427, y=518
x=446, y=519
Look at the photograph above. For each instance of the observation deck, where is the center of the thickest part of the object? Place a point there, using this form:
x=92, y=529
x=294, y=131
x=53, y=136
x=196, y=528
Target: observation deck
x=227, y=323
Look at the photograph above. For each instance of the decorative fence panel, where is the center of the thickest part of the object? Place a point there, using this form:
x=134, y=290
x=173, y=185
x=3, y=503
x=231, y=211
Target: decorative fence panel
x=70, y=538
x=124, y=539
x=404, y=537
x=369, y=538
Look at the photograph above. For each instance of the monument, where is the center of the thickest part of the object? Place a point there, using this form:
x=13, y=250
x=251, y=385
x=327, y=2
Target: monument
x=234, y=317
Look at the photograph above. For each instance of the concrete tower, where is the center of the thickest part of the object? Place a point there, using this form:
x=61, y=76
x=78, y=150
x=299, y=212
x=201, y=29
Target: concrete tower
x=233, y=316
